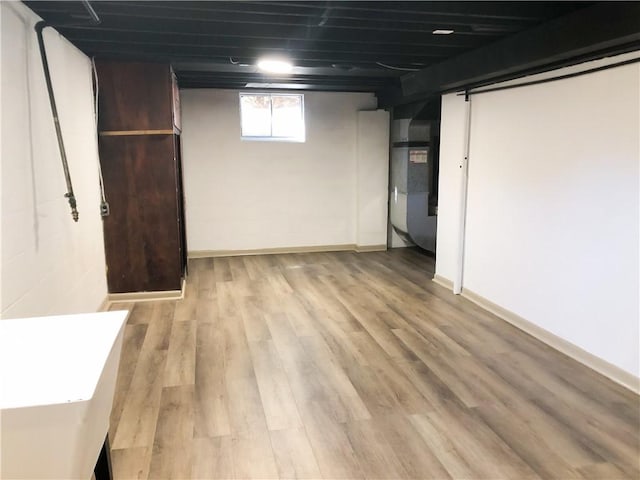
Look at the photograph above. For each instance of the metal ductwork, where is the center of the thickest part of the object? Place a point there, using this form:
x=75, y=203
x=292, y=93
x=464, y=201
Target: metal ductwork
x=413, y=200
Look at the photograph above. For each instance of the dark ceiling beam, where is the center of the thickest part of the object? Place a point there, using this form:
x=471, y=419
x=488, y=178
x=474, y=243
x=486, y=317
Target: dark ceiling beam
x=513, y=10
x=250, y=55
x=182, y=65
x=281, y=77
x=603, y=29
x=380, y=25
x=230, y=48
x=505, y=14
x=392, y=96
x=276, y=37
x=214, y=38
x=190, y=82
x=306, y=87
x=277, y=15
x=205, y=54
x=299, y=32
x=146, y=15
x=185, y=79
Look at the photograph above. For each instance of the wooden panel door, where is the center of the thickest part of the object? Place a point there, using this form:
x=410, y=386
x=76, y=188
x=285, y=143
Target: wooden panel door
x=142, y=236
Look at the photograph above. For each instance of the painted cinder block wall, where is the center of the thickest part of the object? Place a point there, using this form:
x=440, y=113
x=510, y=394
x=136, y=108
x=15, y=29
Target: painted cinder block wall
x=330, y=190
x=48, y=263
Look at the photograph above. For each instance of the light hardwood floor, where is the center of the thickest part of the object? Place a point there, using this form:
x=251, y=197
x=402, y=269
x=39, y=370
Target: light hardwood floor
x=345, y=365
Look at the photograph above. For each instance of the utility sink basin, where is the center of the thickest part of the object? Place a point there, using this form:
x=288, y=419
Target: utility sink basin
x=57, y=380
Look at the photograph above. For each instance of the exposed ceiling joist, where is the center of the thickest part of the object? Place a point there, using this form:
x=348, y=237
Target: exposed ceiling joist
x=334, y=44
x=603, y=29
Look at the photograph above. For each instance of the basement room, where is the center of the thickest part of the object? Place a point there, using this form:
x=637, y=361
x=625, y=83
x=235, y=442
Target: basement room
x=320, y=240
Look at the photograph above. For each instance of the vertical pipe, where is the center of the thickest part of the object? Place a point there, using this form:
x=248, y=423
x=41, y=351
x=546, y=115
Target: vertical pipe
x=94, y=20
x=56, y=121
x=464, y=179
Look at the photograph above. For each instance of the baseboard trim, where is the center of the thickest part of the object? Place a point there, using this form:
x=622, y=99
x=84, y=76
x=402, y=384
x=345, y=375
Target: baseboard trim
x=147, y=296
x=601, y=366
x=371, y=248
x=443, y=282
x=104, y=306
x=272, y=251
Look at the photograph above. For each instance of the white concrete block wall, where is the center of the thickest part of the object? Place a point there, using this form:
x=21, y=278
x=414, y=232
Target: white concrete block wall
x=49, y=264
x=247, y=195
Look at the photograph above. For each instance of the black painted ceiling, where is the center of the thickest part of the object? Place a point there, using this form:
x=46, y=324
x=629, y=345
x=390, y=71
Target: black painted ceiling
x=335, y=45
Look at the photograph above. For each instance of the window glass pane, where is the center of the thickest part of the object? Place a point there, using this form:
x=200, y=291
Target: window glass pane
x=255, y=112
x=287, y=116
x=267, y=116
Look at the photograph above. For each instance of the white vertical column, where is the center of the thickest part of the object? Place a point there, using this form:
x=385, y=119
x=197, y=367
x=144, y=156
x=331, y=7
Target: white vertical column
x=372, y=178
x=464, y=178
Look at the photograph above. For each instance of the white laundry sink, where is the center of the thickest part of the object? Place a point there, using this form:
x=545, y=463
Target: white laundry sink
x=57, y=380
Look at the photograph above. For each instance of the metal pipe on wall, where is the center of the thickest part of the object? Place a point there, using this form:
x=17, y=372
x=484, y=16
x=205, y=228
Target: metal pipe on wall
x=39, y=27
x=56, y=121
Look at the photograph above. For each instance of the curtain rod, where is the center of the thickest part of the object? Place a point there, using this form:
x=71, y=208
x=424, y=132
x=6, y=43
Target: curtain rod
x=551, y=79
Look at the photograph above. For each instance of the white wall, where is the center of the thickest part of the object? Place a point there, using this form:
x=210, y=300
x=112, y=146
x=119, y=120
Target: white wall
x=247, y=195
x=49, y=264
x=372, y=177
x=553, y=206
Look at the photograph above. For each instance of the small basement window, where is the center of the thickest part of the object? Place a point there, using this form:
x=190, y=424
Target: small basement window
x=272, y=116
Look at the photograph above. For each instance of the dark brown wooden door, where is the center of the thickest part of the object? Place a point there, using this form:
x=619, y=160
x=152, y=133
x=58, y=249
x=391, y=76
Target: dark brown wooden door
x=142, y=233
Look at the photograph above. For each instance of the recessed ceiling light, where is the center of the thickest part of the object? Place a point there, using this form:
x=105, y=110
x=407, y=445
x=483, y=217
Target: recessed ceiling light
x=274, y=65
x=442, y=32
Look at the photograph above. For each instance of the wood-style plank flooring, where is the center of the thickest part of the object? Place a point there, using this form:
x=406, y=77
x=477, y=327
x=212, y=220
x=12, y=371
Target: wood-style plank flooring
x=350, y=366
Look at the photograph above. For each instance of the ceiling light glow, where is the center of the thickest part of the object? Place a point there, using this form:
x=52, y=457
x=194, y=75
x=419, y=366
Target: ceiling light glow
x=274, y=65
x=442, y=31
